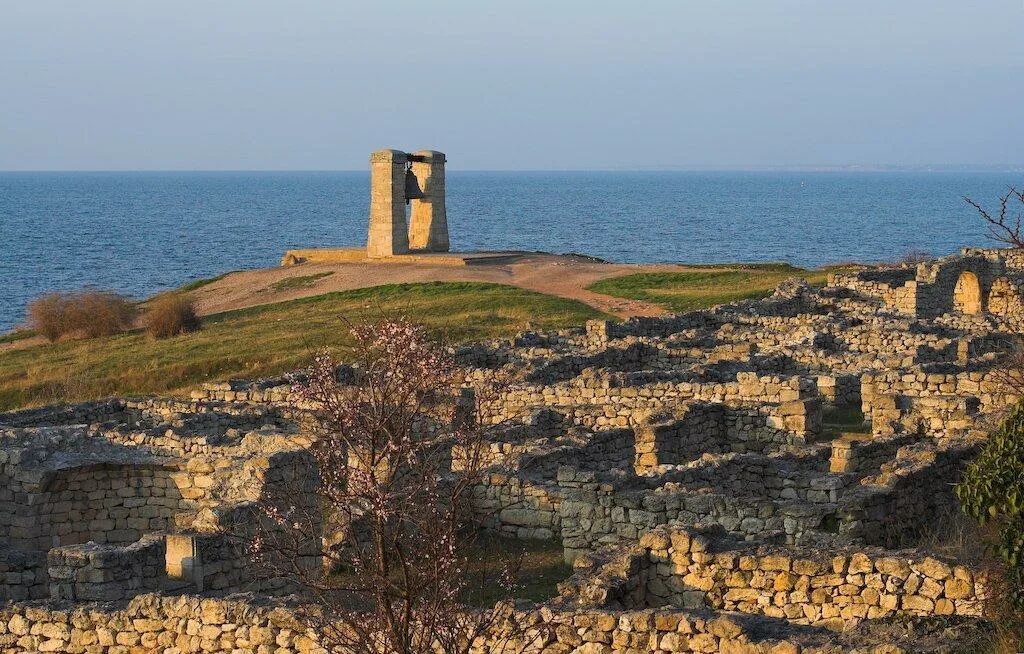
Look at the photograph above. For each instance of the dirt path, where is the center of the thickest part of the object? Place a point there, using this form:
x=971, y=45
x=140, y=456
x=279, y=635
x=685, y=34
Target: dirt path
x=566, y=276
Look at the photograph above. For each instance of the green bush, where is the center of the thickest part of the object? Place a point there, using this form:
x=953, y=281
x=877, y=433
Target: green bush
x=992, y=492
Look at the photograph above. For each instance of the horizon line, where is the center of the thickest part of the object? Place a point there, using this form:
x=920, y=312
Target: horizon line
x=847, y=168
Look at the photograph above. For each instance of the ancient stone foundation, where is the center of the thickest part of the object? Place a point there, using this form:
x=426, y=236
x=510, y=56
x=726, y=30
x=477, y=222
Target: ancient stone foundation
x=109, y=500
x=765, y=476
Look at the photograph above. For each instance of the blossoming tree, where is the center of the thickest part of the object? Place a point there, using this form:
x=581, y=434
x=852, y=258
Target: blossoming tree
x=398, y=531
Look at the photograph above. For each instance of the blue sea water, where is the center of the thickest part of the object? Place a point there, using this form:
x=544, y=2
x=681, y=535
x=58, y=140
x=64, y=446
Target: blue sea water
x=142, y=232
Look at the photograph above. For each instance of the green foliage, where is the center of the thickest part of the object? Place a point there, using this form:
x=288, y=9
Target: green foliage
x=541, y=567
x=992, y=491
x=706, y=287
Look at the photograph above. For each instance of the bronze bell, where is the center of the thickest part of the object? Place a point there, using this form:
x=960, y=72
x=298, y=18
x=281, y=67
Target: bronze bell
x=412, y=187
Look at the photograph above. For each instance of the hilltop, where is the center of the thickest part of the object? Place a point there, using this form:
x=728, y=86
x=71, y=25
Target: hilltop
x=267, y=321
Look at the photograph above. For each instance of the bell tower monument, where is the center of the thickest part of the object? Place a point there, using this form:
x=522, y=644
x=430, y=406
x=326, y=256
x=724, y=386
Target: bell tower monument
x=398, y=179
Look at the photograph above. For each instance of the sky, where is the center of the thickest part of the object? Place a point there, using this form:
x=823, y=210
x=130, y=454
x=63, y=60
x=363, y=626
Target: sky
x=523, y=84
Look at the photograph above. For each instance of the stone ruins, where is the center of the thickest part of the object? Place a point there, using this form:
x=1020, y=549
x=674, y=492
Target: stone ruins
x=757, y=477
x=398, y=179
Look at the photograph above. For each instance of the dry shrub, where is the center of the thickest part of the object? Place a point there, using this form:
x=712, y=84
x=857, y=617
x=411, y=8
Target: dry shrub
x=102, y=313
x=88, y=313
x=952, y=534
x=171, y=315
x=47, y=314
x=913, y=256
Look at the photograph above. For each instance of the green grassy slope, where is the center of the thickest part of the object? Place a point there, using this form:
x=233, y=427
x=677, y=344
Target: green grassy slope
x=687, y=291
x=268, y=339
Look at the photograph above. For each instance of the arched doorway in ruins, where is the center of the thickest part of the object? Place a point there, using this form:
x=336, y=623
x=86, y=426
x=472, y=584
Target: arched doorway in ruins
x=967, y=293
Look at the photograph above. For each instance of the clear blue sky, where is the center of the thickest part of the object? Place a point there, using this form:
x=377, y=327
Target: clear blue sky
x=524, y=84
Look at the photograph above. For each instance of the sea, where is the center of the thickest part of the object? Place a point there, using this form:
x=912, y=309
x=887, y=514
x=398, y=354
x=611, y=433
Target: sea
x=143, y=232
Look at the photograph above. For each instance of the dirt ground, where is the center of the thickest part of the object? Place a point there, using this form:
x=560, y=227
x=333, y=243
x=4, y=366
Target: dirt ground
x=562, y=275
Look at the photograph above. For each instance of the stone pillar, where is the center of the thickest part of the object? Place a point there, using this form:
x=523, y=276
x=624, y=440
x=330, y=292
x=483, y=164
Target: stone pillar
x=389, y=233
x=181, y=559
x=428, y=228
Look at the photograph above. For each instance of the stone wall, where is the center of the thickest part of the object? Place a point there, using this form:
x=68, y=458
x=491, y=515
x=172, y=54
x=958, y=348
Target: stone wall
x=1012, y=258
x=840, y=390
x=99, y=498
x=67, y=414
x=908, y=495
x=105, y=503
x=600, y=332
x=748, y=495
x=603, y=400
x=528, y=505
x=185, y=624
x=865, y=453
x=964, y=283
x=518, y=508
x=600, y=436
x=694, y=429
x=924, y=382
x=785, y=496
x=22, y=575
x=675, y=566
x=895, y=288
x=94, y=572
x=277, y=390
x=938, y=416
x=941, y=286
x=1006, y=297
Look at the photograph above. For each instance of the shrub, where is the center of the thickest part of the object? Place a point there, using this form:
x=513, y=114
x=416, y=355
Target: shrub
x=81, y=313
x=102, y=313
x=47, y=314
x=171, y=315
x=913, y=257
x=992, y=492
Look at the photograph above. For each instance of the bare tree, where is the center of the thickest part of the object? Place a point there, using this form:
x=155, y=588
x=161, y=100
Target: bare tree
x=392, y=521
x=1004, y=225
x=914, y=256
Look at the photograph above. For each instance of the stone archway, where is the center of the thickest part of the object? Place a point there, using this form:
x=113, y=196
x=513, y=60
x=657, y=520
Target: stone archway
x=967, y=293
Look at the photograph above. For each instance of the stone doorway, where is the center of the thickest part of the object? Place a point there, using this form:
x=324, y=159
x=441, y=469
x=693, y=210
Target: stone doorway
x=967, y=293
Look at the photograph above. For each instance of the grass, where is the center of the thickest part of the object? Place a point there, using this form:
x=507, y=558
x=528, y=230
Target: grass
x=765, y=266
x=199, y=283
x=302, y=281
x=541, y=568
x=185, y=288
x=687, y=291
x=836, y=422
x=17, y=335
x=268, y=339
